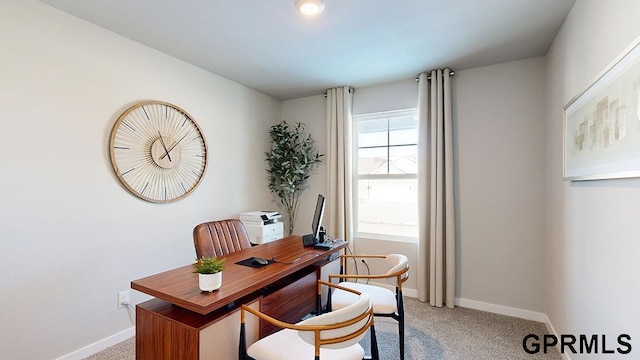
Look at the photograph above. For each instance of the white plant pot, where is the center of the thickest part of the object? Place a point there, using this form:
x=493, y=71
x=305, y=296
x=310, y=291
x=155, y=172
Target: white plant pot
x=210, y=282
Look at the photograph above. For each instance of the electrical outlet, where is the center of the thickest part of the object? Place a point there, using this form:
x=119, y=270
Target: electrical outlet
x=123, y=299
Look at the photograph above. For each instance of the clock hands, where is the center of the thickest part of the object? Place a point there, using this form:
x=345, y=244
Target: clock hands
x=166, y=152
x=173, y=146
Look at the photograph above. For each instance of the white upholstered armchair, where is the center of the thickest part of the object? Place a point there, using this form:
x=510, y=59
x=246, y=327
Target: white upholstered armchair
x=385, y=302
x=331, y=336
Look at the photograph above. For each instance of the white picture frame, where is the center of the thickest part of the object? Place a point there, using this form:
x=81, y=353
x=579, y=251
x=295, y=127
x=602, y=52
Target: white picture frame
x=602, y=123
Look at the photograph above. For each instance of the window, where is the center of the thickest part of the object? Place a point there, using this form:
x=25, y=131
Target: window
x=386, y=180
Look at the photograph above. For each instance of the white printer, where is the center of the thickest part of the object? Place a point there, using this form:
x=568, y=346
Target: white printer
x=262, y=226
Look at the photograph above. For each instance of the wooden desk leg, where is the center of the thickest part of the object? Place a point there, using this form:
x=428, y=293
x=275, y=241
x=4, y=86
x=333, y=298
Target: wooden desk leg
x=159, y=338
x=167, y=332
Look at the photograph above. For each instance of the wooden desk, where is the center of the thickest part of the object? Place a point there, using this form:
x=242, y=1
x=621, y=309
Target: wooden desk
x=170, y=326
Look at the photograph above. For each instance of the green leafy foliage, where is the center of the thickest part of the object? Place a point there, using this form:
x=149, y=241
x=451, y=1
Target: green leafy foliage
x=209, y=265
x=291, y=161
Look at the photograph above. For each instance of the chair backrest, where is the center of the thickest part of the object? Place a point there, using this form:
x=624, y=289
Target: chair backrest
x=397, y=263
x=217, y=238
x=347, y=326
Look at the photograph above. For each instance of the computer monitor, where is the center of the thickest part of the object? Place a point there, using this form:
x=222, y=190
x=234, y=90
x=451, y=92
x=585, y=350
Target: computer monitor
x=317, y=218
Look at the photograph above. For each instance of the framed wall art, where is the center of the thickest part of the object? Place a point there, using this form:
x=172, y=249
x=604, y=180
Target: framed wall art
x=602, y=123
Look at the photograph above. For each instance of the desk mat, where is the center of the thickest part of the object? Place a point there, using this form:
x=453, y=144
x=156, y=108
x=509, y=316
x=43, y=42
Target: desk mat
x=249, y=262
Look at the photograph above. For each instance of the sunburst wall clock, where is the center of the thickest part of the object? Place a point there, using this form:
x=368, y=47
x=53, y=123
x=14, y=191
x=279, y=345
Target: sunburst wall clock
x=158, y=151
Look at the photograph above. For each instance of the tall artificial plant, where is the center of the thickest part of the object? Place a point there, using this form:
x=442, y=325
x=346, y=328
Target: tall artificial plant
x=292, y=159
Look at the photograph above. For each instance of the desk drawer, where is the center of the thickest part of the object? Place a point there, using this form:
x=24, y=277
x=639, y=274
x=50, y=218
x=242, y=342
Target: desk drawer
x=291, y=302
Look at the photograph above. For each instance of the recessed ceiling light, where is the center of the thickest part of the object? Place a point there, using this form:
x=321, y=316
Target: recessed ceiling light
x=310, y=7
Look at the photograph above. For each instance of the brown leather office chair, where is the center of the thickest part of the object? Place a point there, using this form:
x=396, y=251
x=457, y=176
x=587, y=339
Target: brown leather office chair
x=217, y=238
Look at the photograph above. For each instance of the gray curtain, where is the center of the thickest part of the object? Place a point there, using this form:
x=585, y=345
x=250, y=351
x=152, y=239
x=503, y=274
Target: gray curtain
x=436, y=257
x=339, y=214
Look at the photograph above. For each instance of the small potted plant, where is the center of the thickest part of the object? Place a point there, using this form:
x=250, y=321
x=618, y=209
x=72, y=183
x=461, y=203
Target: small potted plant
x=209, y=271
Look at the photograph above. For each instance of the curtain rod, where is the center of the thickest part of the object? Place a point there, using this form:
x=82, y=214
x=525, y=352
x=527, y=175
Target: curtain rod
x=451, y=73
x=350, y=90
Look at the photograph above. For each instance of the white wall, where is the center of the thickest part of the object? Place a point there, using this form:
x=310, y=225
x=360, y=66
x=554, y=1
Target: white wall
x=593, y=246
x=71, y=237
x=499, y=171
x=311, y=111
x=397, y=95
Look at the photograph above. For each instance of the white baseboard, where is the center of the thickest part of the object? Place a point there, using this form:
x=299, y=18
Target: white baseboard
x=552, y=330
x=502, y=310
x=509, y=311
x=492, y=308
x=410, y=292
x=478, y=305
x=98, y=346
x=495, y=309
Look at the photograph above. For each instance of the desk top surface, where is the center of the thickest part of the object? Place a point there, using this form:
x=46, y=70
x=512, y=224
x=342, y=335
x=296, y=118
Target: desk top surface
x=180, y=286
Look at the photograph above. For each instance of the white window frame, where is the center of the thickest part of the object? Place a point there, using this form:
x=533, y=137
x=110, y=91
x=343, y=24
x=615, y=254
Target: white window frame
x=356, y=176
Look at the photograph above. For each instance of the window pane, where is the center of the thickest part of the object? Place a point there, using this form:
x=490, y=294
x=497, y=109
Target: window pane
x=372, y=133
x=403, y=137
x=372, y=161
x=388, y=207
x=403, y=160
x=386, y=154
x=403, y=130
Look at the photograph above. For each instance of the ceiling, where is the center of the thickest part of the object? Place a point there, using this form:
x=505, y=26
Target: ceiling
x=268, y=46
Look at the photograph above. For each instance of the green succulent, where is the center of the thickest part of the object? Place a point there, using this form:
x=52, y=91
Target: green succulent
x=209, y=265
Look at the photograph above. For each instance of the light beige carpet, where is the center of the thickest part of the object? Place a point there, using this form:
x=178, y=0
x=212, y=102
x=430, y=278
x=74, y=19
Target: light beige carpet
x=431, y=334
